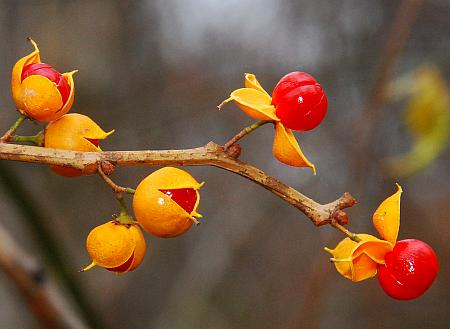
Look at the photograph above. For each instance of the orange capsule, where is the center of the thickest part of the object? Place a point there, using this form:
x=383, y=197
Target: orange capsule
x=39, y=91
x=257, y=103
x=116, y=247
x=75, y=132
x=166, y=202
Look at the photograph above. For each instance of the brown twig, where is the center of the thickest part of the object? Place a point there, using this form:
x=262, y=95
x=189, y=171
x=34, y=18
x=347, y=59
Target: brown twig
x=45, y=301
x=244, y=132
x=398, y=36
x=116, y=188
x=124, y=216
x=210, y=154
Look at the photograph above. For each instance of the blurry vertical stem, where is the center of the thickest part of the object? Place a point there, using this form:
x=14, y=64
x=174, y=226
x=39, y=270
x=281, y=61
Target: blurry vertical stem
x=400, y=31
x=33, y=213
x=6, y=137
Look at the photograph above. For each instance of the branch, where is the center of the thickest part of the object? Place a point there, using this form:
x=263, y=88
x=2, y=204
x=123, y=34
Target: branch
x=208, y=155
x=29, y=277
x=399, y=34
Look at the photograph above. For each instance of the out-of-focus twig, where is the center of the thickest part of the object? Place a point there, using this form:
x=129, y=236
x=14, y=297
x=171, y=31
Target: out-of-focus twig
x=365, y=127
x=50, y=246
x=44, y=300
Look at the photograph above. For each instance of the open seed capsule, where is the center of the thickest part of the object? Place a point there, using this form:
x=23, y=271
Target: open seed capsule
x=75, y=132
x=166, y=202
x=116, y=247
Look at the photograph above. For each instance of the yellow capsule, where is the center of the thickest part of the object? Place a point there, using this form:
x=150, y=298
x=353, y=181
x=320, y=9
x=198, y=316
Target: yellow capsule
x=166, y=202
x=116, y=247
x=75, y=132
x=386, y=218
x=358, y=261
x=39, y=91
x=257, y=103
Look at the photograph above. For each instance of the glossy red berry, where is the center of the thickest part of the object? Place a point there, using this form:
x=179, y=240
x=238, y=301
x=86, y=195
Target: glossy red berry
x=300, y=101
x=50, y=73
x=185, y=197
x=410, y=269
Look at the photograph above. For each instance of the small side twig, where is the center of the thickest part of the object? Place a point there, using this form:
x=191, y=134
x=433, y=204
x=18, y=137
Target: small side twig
x=124, y=216
x=37, y=139
x=244, y=132
x=116, y=188
x=342, y=229
x=7, y=136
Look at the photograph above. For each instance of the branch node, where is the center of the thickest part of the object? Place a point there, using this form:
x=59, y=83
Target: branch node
x=340, y=217
x=234, y=151
x=346, y=201
x=107, y=167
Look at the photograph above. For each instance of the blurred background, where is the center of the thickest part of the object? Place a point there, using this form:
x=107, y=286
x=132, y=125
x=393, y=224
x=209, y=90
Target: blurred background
x=155, y=71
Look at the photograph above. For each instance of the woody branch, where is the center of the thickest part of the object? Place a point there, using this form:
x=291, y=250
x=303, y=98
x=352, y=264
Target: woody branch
x=211, y=154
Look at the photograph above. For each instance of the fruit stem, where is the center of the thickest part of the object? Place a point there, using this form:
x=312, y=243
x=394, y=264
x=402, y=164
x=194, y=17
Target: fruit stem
x=37, y=139
x=341, y=228
x=7, y=136
x=116, y=188
x=124, y=216
x=244, y=132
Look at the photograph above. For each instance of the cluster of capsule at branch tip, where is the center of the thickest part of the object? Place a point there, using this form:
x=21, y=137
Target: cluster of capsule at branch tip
x=406, y=268
x=42, y=93
x=298, y=102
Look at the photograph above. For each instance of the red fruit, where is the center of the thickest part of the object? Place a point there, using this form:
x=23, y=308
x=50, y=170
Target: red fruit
x=300, y=101
x=185, y=197
x=50, y=73
x=410, y=269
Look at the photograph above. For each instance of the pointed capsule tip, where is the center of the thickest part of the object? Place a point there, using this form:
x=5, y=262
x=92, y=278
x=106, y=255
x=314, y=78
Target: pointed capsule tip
x=221, y=105
x=33, y=43
x=328, y=250
x=87, y=268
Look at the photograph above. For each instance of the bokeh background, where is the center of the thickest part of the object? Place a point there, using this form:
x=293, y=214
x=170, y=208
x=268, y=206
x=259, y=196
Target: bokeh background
x=155, y=71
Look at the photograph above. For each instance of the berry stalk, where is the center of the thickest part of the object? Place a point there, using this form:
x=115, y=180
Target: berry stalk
x=7, y=136
x=245, y=132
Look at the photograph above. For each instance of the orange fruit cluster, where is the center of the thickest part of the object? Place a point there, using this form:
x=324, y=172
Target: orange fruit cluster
x=165, y=204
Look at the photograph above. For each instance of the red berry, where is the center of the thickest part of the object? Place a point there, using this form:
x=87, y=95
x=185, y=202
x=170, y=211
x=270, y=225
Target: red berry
x=300, y=101
x=185, y=197
x=410, y=269
x=50, y=73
